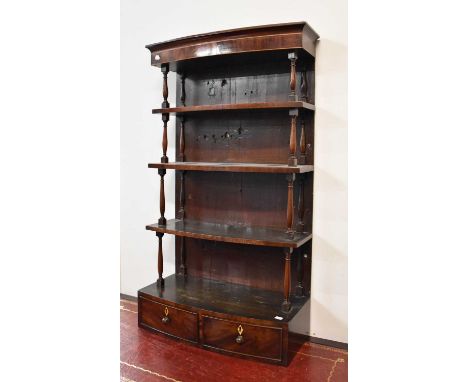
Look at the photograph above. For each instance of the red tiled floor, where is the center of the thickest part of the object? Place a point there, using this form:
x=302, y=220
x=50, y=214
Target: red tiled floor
x=149, y=357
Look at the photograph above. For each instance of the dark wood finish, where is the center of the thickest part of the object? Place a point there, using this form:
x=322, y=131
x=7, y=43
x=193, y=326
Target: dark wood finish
x=165, y=70
x=222, y=299
x=182, y=89
x=290, y=207
x=234, y=167
x=289, y=36
x=182, y=140
x=231, y=233
x=182, y=324
x=300, y=291
x=286, y=305
x=242, y=245
x=292, y=160
x=165, y=119
x=241, y=338
x=160, y=280
x=240, y=106
x=162, y=197
x=292, y=82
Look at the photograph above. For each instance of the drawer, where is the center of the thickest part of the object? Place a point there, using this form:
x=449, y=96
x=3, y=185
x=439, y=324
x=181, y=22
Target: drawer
x=241, y=338
x=169, y=320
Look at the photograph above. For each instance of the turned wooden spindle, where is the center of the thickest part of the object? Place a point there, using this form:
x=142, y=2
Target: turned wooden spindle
x=164, y=158
x=182, y=267
x=292, y=82
x=162, y=198
x=304, y=87
x=165, y=70
x=182, y=90
x=292, y=160
x=302, y=144
x=286, y=305
x=182, y=140
x=300, y=274
x=181, y=214
x=301, y=206
x=290, y=207
x=160, y=281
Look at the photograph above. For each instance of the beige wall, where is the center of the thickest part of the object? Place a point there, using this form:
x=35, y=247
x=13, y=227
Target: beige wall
x=148, y=21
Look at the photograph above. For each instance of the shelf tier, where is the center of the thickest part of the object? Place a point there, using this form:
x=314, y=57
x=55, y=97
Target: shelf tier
x=270, y=237
x=234, y=167
x=223, y=297
x=236, y=106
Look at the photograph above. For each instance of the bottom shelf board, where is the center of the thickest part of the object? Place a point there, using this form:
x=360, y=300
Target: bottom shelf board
x=223, y=297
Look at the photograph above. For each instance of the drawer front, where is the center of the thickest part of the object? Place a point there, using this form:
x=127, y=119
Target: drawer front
x=241, y=338
x=167, y=319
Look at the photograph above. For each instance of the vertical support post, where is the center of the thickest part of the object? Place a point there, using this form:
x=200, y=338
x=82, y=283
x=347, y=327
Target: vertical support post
x=182, y=196
x=165, y=70
x=182, y=90
x=182, y=268
x=164, y=158
x=301, y=206
x=290, y=208
x=300, y=274
x=292, y=160
x=286, y=305
x=304, y=87
x=292, y=82
x=302, y=143
x=162, y=197
x=182, y=140
x=160, y=281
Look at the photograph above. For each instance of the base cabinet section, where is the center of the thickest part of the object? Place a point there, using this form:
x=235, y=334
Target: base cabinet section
x=240, y=338
x=167, y=319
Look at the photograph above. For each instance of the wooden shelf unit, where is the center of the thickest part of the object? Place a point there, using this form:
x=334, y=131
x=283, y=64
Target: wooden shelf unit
x=244, y=181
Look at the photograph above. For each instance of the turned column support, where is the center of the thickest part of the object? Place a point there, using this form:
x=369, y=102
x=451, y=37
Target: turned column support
x=181, y=214
x=301, y=206
x=162, y=197
x=182, y=140
x=292, y=81
x=290, y=207
x=160, y=281
x=304, y=87
x=182, y=88
x=182, y=267
x=164, y=158
x=300, y=274
x=165, y=70
x=292, y=160
x=302, y=144
x=286, y=305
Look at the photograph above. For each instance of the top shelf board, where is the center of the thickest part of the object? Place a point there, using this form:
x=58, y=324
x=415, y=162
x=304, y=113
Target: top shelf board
x=263, y=38
x=236, y=106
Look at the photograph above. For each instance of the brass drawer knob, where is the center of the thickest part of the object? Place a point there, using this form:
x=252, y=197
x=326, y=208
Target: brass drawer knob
x=166, y=319
x=240, y=338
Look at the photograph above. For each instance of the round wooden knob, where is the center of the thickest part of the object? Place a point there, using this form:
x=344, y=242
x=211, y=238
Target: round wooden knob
x=240, y=339
x=165, y=319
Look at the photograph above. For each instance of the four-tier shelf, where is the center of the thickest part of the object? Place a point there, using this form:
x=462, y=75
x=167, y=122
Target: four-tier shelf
x=244, y=183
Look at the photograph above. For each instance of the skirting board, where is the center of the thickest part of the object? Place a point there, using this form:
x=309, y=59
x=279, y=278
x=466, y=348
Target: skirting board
x=315, y=340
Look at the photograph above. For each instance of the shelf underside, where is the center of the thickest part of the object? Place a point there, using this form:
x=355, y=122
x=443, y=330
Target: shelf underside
x=234, y=167
x=222, y=297
x=236, y=106
x=272, y=237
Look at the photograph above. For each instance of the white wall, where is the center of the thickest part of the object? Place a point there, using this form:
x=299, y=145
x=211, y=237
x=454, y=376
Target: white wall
x=149, y=21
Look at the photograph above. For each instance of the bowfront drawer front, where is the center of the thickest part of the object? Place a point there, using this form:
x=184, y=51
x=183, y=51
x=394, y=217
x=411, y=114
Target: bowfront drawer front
x=169, y=320
x=241, y=338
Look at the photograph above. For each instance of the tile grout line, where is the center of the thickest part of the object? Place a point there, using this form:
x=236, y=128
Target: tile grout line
x=150, y=372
